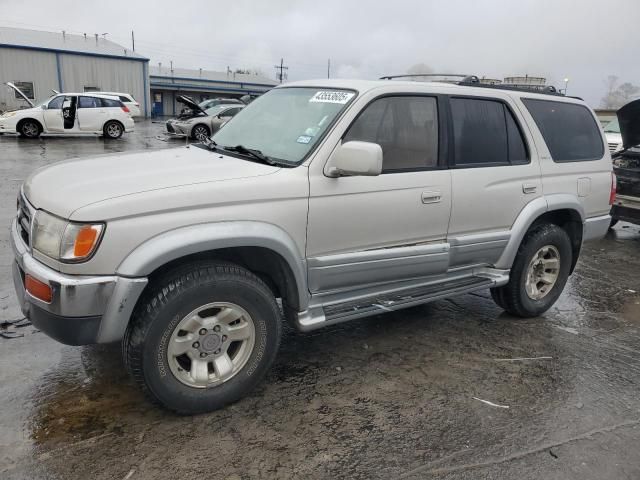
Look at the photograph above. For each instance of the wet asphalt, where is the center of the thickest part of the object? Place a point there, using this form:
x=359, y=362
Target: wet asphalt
x=400, y=395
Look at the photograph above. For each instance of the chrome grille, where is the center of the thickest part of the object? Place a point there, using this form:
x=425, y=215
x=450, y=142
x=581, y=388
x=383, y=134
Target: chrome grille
x=25, y=215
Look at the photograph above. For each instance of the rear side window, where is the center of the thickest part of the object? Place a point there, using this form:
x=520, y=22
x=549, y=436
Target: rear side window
x=486, y=134
x=405, y=127
x=89, y=102
x=569, y=130
x=125, y=99
x=108, y=102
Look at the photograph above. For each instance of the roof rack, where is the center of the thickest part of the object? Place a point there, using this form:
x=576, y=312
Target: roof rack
x=474, y=81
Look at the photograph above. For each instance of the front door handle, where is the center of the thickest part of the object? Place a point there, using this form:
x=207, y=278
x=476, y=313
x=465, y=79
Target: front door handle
x=529, y=188
x=431, y=197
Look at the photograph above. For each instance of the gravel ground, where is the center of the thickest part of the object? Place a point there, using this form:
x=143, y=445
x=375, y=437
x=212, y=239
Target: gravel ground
x=399, y=395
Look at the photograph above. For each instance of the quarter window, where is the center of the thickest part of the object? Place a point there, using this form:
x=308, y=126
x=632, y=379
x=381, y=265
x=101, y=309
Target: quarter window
x=569, y=130
x=110, y=103
x=405, y=127
x=485, y=134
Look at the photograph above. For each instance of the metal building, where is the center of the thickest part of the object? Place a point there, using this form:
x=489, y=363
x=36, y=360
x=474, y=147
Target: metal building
x=39, y=62
x=167, y=83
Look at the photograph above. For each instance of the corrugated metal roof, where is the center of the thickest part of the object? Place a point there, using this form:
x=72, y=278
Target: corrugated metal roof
x=37, y=39
x=191, y=74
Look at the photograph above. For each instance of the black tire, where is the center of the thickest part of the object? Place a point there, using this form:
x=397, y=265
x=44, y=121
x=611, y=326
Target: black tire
x=172, y=297
x=30, y=129
x=113, y=130
x=199, y=130
x=513, y=297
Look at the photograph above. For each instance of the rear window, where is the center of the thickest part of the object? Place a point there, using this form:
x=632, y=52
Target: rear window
x=569, y=130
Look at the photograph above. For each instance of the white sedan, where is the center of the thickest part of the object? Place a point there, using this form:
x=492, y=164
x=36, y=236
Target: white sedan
x=70, y=113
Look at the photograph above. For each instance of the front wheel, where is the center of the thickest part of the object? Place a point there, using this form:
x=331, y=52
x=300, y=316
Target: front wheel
x=205, y=335
x=30, y=129
x=539, y=272
x=200, y=133
x=113, y=130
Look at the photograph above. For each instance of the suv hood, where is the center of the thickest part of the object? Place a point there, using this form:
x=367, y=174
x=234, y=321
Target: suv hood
x=189, y=103
x=629, y=120
x=65, y=187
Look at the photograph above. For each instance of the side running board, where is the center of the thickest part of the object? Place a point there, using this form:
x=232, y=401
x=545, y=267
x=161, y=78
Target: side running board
x=323, y=315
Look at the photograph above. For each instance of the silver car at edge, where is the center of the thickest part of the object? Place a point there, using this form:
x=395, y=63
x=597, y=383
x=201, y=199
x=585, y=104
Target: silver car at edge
x=321, y=202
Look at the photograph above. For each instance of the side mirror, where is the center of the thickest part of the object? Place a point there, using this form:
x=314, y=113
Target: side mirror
x=44, y=107
x=356, y=159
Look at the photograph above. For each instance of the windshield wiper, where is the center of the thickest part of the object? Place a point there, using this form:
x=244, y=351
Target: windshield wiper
x=252, y=152
x=211, y=145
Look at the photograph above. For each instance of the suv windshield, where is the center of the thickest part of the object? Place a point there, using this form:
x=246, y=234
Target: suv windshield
x=285, y=123
x=612, y=127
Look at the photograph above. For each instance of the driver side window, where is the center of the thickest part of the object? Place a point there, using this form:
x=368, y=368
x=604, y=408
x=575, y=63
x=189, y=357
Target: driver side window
x=56, y=103
x=406, y=127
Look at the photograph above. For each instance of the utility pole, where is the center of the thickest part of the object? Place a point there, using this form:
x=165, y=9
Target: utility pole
x=280, y=75
x=328, y=68
x=133, y=41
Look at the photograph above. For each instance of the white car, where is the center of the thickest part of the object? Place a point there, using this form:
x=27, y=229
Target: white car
x=614, y=137
x=128, y=100
x=70, y=113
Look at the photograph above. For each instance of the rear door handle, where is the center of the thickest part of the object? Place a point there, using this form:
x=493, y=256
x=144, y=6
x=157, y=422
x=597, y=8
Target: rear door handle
x=529, y=188
x=431, y=197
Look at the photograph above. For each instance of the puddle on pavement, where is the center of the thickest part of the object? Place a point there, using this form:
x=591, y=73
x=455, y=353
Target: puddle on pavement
x=87, y=394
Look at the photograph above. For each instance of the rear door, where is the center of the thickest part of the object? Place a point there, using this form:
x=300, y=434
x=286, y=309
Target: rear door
x=495, y=173
x=91, y=113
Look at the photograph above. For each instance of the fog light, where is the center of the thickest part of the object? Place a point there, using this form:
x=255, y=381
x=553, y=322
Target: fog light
x=38, y=289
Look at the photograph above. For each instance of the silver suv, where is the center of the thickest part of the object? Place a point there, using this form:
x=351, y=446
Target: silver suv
x=321, y=202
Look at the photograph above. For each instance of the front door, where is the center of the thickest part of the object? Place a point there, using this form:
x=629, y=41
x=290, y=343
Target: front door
x=158, y=108
x=365, y=230
x=53, y=119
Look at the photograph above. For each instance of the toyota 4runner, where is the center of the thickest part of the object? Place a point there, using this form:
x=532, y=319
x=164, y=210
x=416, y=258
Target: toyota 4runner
x=321, y=202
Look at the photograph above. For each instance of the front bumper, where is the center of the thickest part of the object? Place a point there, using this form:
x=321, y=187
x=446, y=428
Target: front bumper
x=177, y=129
x=83, y=309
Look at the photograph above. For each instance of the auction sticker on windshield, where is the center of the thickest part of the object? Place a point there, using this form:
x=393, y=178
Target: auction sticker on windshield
x=331, y=97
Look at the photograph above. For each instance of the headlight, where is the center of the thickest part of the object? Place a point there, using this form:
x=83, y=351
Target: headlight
x=64, y=240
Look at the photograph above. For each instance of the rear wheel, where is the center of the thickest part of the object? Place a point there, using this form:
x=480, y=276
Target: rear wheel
x=113, y=130
x=30, y=129
x=205, y=335
x=539, y=273
x=200, y=133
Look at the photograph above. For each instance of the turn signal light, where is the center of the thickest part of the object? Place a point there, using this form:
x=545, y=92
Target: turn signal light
x=85, y=240
x=38, y=289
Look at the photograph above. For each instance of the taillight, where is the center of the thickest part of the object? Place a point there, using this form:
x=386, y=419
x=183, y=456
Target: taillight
x=612, y=195
x=124, y=108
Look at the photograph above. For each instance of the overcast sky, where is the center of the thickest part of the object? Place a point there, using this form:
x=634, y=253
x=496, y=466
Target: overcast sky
x=583, y=40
